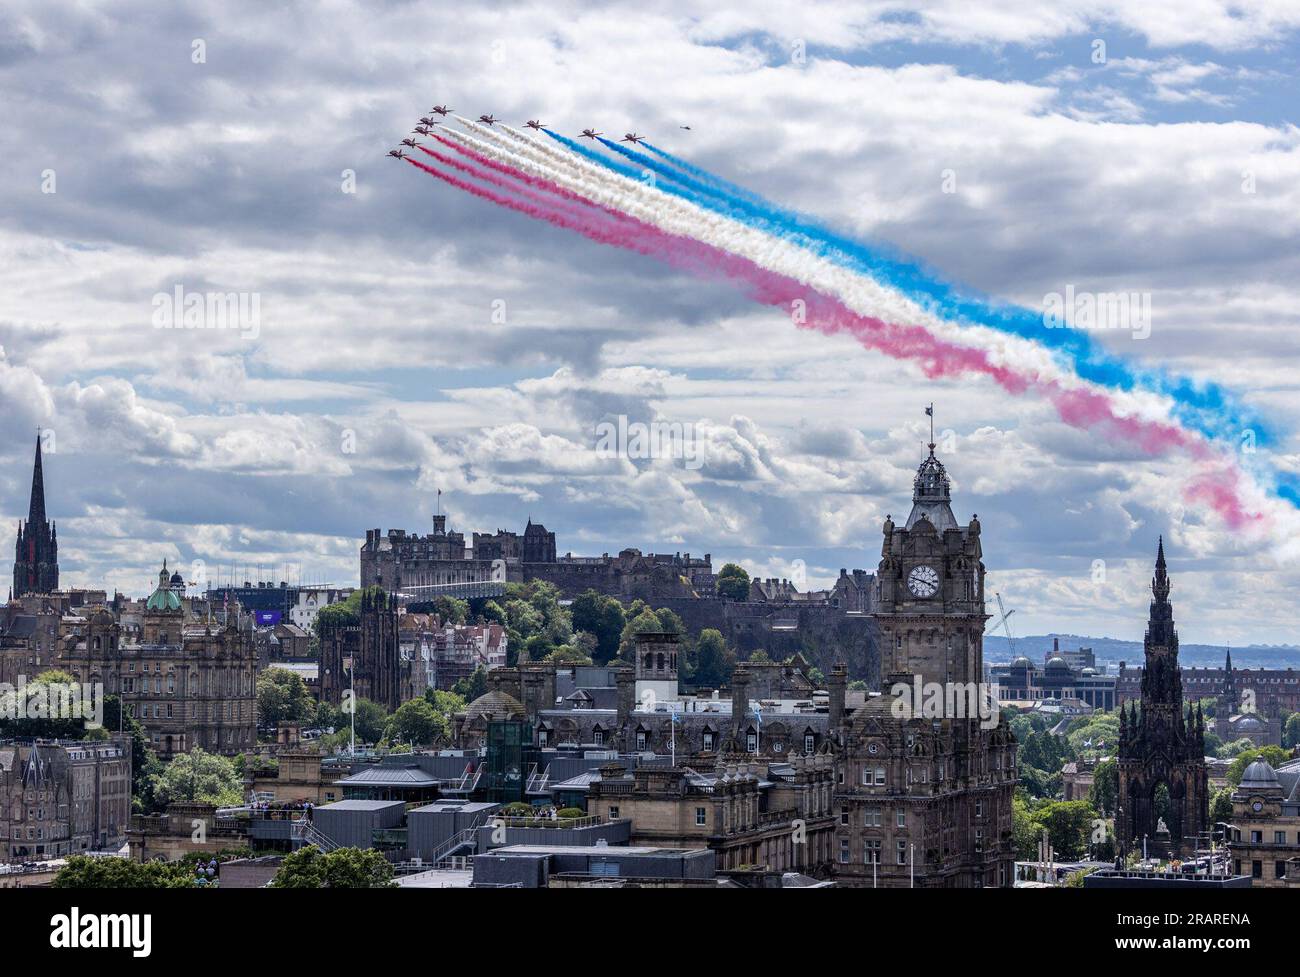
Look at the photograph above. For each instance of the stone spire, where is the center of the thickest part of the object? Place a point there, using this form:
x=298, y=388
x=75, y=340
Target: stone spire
x=36, y=509
x=36, y=560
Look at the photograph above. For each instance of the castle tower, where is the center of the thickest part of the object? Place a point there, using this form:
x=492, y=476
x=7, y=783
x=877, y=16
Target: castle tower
x=36, y=553
x=1162, y=775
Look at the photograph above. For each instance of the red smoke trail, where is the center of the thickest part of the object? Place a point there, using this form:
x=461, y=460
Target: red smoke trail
x=828, y=315
x=937, y=358
x=574, y=212
x=533, y=181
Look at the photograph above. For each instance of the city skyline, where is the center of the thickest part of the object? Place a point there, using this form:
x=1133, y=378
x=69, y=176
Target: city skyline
x=380, y=332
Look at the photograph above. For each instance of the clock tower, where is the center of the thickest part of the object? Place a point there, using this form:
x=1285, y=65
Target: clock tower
x=925, y=796
x=930, y=588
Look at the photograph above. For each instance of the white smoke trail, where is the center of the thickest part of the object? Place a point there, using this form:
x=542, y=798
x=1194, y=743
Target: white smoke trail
x=675, y=215
x=546, y=160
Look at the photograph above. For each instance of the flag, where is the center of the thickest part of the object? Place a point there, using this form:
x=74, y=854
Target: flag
x=929, y=411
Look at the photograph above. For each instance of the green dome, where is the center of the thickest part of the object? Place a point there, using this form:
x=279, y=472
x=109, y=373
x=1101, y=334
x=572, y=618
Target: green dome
x=163, y=600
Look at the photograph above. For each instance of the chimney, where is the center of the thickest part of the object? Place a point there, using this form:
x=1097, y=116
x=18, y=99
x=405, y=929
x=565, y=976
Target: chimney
x=537, y=685
x=625, y=680
x=838, y=684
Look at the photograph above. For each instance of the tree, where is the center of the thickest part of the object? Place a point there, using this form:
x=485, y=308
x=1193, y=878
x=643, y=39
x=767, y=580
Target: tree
x=1025, y=829
x=732, y=583
x=85, y=872
x=450, y=610
x=283, y=697
x=144, y=761
x=493, y=613
x=419, y=723
x=344, y=612
x=538, y=647
x=1101, y=730
x=714, y=661
x=646, y=620
x=370, y=718
x=343, y=868
x=472, y=687
x=1069, y=826
x=1221, y=807
x=1291, y=731
x=198, y=777
x=1275, y=756
x=670, y=621
x=568, y=655
x=47, y=691
x=1104, y=794
x=602, y=617
x=1235, y=748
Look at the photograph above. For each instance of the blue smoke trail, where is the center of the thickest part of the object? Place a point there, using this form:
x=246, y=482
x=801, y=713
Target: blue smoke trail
x=1207, y=409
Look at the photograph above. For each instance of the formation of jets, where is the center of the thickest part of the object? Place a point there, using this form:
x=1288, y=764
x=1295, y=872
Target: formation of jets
x=427, y=122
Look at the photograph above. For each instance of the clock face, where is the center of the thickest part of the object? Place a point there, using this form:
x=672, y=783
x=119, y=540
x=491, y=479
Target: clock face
x=1257, y=806
x=923, y=581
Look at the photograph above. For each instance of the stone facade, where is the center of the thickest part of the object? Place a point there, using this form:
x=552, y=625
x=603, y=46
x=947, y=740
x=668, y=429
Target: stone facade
x=63, y=798
x=925, y=799
x=189, y=682
x=776, y=815
x=1160, y=745
x=373, y=648
x=299, y=777
x=1261, y=691
x=827, y=626
x=184, y=830
x=1265, y=840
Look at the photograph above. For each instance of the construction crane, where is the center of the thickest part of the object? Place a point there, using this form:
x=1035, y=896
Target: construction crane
x=1005, y=623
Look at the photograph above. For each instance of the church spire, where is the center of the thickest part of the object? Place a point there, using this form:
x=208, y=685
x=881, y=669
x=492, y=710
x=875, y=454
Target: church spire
x=36, y=548
x=1160, y=582
x=36, y=509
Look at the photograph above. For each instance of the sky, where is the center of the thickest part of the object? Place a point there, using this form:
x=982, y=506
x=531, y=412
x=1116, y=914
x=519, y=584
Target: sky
x=411, y=339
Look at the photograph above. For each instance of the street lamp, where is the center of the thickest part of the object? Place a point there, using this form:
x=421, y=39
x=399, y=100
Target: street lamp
x=1213, y=867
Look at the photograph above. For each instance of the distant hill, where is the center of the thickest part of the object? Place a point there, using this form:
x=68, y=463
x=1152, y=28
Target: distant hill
x=1034, y=646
